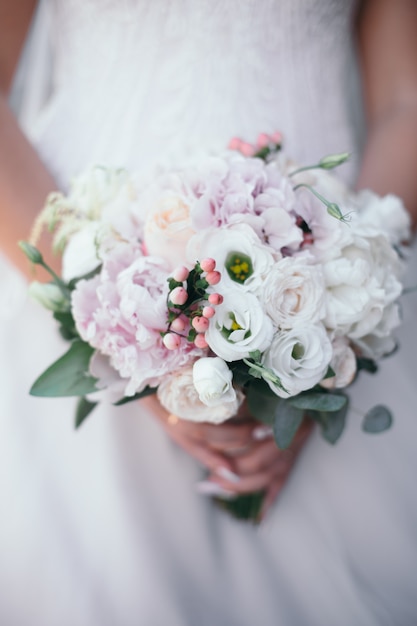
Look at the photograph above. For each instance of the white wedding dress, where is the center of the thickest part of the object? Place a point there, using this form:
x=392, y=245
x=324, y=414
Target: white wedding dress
x=103, y=526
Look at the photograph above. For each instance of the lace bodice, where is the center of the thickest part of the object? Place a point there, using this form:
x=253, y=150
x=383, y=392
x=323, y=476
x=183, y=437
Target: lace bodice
x=136, y=82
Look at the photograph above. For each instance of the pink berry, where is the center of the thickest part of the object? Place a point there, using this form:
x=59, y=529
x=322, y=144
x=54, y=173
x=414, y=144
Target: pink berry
x=276, y=137
x=215, y=298
x=208, y=312
x=180, y=274
x=178, y=324
x=213, y=278
x=200, y=324
x=208, y=265
x=178, y=296
x=234, y=143
x=247, y=149
x=171, y=341
x=200, y=341
x=263, y=140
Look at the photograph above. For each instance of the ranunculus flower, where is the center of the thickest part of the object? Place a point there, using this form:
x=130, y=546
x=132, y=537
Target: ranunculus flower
x=168, y=228
x=238, y=327
x=213, y=381
x=178, y=395
x=294, y=292
x=300, y=357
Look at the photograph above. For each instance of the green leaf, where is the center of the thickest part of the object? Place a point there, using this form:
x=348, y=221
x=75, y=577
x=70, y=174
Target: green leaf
x=368, y=365
x=241, y=376
x=332, y=424
x=377, y=419
x=67, y=325
x=262, y=402
x=316, y=401
x=287, y=421
x=83, y=410
x=330, y=373
x=68, y=376
x=148, y=391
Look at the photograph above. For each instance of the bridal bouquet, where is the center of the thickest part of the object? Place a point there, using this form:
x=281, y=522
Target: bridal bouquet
x=241, y=276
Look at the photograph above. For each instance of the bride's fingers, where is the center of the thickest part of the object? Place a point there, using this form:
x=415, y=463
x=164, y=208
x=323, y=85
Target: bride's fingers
x=271, y=495
x=260, y=457
x=252, y=482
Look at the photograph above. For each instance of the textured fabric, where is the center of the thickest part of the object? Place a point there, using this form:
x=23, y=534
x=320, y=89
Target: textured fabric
x=103, y=527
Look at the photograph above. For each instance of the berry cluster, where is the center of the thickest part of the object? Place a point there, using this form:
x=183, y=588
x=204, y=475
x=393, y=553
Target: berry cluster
x=190, y=306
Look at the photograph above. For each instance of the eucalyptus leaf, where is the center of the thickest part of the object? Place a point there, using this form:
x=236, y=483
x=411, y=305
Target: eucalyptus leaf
x=148, y=391
x=286, y=423
x=68, y=376
x=262, y=402
x=377, y=419
x=317, y=401
x=332, y=424
x=83, y=410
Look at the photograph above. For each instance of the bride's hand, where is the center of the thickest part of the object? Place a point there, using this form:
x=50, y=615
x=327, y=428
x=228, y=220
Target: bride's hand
x=241, y=454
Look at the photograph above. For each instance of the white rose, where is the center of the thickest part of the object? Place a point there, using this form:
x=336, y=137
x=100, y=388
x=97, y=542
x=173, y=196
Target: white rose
x=238, y=327
x=300, y=357
x=168, y=228
x=178, y=395
x=213, y=381
x=241, y=258
x=343, y=364
x=294, y=291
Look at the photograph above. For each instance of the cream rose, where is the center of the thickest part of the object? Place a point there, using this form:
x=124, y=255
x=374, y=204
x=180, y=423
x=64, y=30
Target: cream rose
x=178, y=395
x=294, y=291
x=168, y=228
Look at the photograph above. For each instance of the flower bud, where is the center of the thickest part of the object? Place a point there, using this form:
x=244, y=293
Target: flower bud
x=31, y=252
x=208, y=312
x=277, y=137
x=171, y=341
x=50, y=296
x=179, y=324
x=333, y=160
x=178, y=296
x=215, y=298
x=200, y=341
x=200, y=324
x=234, y=143
x=213, y=278
x=208, y=265
x=247, y=149
x=263, y=140
x=180, y=274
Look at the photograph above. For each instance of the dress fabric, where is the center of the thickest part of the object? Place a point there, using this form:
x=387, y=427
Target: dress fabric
x=103, y=526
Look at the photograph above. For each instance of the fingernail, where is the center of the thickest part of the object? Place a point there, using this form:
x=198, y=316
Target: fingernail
x=262, y=432
x=227, y=474
x=207, y=488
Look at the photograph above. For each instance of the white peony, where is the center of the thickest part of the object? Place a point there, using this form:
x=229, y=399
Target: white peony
x=300, y=357
x=238, y=327
x=178, y=395
x=241, y=258
x=361, y=282
x=387, y=215
x=294, y=291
